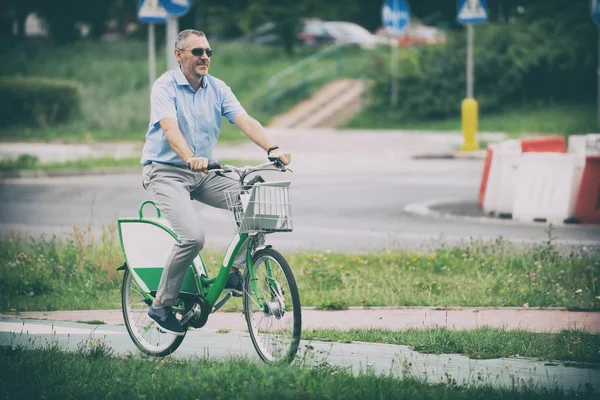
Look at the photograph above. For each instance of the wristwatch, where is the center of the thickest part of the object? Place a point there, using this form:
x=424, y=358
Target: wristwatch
x=270, y=149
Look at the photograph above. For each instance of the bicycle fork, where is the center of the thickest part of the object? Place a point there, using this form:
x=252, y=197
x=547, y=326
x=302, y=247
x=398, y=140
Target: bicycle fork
x=275, y=305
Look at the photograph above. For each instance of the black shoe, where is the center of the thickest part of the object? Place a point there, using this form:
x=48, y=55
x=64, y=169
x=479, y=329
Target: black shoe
x=165, y=318
x=235, y=282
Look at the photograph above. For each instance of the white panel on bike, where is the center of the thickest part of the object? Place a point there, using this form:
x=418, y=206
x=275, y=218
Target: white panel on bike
x=147, y=244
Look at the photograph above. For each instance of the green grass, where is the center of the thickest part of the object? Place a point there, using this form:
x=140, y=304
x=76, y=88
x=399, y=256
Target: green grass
x=567, y=345
x=53, y=373
x=115, y=95
x=79, y=132
x=115, y=83
x=29, y=162
x=93, y=322
x=553, y=119
x=80, y=273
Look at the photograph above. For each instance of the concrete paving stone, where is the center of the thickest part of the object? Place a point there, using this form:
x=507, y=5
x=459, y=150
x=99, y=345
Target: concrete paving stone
x=357, y=357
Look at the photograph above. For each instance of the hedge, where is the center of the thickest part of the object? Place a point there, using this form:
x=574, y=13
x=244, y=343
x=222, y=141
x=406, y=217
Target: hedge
x=514, y=64
x=37, y=101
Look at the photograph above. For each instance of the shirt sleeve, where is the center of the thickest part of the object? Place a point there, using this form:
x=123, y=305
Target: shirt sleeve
x=231, y=107
x=162, y=102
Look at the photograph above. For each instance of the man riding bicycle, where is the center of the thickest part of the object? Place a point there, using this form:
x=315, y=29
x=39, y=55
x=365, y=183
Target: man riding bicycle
x=185, y=120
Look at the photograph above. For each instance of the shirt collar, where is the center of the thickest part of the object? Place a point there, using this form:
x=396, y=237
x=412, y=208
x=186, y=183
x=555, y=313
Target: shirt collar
x=182, y=80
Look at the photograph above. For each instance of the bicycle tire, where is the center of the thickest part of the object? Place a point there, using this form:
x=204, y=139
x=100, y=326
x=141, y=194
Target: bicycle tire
x=286, y=337
x=142, y=329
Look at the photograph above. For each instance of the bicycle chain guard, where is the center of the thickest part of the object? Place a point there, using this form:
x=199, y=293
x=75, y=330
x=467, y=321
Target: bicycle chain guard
x=197, y=311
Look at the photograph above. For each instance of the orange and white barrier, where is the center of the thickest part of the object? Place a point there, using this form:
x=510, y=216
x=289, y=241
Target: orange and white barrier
x=499, y=193
x=587, y=209
x=536, y=179
x=547, y=187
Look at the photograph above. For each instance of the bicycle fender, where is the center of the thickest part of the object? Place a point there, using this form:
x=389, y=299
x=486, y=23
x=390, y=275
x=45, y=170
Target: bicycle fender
x=122, y=267
x=264, y=246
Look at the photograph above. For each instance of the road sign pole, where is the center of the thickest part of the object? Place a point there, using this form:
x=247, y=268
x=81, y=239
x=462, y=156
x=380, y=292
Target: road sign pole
x=172, y=31
x=151, y=54
x=393, y=71
x=598, y=77
x=470, y=73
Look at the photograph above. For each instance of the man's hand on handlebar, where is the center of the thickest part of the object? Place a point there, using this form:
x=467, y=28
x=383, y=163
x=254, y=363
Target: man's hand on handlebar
x=198, y=164
x=284, y=157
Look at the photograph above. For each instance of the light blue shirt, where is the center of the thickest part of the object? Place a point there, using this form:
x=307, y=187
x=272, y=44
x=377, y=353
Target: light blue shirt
x=198, y=114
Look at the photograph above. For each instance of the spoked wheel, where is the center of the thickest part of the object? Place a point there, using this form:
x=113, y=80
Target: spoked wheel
x=144, y=332
x=276, y=325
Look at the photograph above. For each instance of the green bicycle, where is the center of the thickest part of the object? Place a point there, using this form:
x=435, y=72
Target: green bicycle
x=271, y=303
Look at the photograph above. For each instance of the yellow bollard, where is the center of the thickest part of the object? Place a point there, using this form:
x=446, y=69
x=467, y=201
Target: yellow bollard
x=470, y=111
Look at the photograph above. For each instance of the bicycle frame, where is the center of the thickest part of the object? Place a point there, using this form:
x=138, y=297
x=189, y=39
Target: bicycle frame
x=197, y=280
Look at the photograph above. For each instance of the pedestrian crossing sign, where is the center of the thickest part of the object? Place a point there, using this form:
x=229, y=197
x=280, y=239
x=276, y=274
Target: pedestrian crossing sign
x=472, y=11
x=151, y=11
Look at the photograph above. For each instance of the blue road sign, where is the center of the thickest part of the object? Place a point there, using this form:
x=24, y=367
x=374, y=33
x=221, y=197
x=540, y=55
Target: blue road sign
x=596, y=11
x=395, y=15
x=176, y=8
x=151, y=11
x=472, y=11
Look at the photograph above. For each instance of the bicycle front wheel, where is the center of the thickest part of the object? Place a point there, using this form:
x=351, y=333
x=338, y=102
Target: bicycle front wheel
x=144, y=332
x=273, y=312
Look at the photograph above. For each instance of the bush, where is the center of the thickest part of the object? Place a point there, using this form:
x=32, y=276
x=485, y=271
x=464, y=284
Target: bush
x=515, y=64
x=37, y=102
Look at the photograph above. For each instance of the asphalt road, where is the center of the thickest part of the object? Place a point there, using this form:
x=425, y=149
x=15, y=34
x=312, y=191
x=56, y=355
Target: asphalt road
x=340, y=203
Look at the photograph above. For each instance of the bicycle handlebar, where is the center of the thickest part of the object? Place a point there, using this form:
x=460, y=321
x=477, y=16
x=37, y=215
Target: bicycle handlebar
x=216, y=167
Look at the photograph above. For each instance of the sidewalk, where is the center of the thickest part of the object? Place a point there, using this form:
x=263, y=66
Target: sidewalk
x=545, y=320
x=225, y=335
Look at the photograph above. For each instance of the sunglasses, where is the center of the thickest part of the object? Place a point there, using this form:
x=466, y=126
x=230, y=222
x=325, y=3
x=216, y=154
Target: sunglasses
x=199, y=52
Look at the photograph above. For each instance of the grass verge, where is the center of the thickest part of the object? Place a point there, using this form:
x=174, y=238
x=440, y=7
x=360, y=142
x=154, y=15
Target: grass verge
x=481, y=343
x=55, y=374
x=553, y=119
x=79, y=272
x=29, y=162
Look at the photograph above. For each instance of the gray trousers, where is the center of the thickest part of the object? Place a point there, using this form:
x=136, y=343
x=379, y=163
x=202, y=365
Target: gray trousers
x=172, y=188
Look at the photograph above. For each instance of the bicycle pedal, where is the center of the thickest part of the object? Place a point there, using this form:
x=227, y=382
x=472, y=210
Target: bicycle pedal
x=236, y=293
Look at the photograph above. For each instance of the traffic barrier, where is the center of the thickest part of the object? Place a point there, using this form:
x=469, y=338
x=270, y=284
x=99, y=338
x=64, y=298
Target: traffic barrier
x=501, y=197
x=553, y=144
x=587, y=209
x=486, y=171
x=544, y=144
x=547, y=187
x=577, y=144
x=499, y=173
x=592, y=144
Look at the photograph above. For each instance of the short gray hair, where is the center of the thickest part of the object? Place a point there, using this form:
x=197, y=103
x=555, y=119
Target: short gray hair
x=183, y=35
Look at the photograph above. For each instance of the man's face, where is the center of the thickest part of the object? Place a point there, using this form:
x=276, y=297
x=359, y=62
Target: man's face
x=193, y=65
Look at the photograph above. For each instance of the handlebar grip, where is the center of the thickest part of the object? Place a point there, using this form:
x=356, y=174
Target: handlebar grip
x=214, y=164
x=276, y=161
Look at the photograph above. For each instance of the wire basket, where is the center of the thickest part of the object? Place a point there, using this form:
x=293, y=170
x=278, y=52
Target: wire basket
x=264, y=208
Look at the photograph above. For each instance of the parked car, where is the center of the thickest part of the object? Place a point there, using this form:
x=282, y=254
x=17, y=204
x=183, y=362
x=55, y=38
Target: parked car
x=315, y=31
x=350, y=33
x=415, y=34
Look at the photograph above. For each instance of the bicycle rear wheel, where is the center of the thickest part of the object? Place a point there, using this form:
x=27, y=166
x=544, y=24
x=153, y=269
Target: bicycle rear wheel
x=142, y=329
x=276, y=326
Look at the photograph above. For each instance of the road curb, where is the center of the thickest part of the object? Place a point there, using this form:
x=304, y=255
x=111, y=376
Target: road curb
x=424, y=209
x=453, y=155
